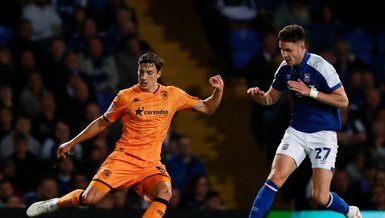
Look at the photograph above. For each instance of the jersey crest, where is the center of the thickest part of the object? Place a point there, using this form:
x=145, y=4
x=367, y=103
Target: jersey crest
x=164, y=94
x=306, y=77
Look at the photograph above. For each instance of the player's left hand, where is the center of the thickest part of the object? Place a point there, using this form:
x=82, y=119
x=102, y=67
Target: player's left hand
x=64, y=150
x=216, y=82
x=299, y=86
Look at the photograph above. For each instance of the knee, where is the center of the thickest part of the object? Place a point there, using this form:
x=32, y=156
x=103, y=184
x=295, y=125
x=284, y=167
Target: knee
x=277, y=177
x=321, y=198
x=164, y=191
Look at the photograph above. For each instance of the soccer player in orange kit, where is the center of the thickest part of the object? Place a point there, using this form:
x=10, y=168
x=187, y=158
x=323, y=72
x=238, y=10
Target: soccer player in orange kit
x=146, y=110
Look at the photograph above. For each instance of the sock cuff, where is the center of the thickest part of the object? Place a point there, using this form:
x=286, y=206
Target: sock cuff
x=330, y=201
x=161, y=200
x=271, y=185
x=81, y=199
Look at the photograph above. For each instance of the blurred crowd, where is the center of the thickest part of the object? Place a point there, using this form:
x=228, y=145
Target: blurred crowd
x=244, y=35
x=61, y=64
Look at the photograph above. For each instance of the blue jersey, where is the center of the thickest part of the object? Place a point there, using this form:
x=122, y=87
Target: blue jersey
x=310, y=115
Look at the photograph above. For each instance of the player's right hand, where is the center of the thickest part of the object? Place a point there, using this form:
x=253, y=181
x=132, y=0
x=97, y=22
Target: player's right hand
x=256, y=94
x=63, y=150
x=216, y=82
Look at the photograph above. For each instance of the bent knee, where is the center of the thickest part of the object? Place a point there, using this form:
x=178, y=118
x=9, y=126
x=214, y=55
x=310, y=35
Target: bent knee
x=164, y=191
x=277, y=177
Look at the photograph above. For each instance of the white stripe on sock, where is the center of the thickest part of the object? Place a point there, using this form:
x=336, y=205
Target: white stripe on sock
x=271, y=187
x=331, y=200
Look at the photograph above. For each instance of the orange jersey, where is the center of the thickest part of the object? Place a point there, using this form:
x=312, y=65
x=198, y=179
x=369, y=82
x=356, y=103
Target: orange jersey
x=146, y=118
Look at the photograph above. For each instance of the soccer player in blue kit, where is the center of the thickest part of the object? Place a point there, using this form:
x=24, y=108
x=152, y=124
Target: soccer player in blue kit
x=318, y=95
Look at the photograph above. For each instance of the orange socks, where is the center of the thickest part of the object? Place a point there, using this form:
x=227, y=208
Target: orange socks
x=156, y=209
x=70, y=200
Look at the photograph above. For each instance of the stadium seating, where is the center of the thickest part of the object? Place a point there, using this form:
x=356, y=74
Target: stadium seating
x=362, y=44
x=245, y=44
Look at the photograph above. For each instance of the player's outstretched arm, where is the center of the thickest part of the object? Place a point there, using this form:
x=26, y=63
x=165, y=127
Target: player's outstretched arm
x=268, y=98
x=94, y=128
x=210, y=104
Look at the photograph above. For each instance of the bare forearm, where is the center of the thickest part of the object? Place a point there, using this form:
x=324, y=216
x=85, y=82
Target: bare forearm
x=266, y=100
x=94, y=128
x=338, y=100
x=213, y=101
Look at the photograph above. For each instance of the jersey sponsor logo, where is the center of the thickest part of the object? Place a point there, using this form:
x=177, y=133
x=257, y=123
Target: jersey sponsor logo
x=164, y=94
x=135, y=100
x=141, y=112
x=106, y=174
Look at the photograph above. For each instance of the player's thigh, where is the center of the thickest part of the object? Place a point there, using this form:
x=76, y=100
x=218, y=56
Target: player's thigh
x=321, y=179
x=147, y=186
x=283, y=166
x=157, y=185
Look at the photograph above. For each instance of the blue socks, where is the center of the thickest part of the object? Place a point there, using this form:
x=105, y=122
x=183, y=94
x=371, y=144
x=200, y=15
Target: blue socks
x=337, y=204
x=266, y=194
x=264, y=199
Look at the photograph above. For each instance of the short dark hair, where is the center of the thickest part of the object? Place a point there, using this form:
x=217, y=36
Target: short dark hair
x=292, y=33
x=151, y=58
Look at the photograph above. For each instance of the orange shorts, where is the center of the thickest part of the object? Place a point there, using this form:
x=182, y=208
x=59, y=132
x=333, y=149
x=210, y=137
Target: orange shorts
x=121, y=170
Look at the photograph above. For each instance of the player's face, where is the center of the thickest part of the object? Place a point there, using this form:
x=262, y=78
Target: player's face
x=148, y=77
x=292, y=52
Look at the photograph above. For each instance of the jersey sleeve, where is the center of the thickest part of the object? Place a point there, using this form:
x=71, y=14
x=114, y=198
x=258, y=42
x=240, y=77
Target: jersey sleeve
x=279, y=83
x=184, y=100
x=118, y=107
x=331, y=76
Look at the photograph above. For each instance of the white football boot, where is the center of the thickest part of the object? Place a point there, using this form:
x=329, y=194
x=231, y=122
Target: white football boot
x=354, y=212
x=42, y=207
